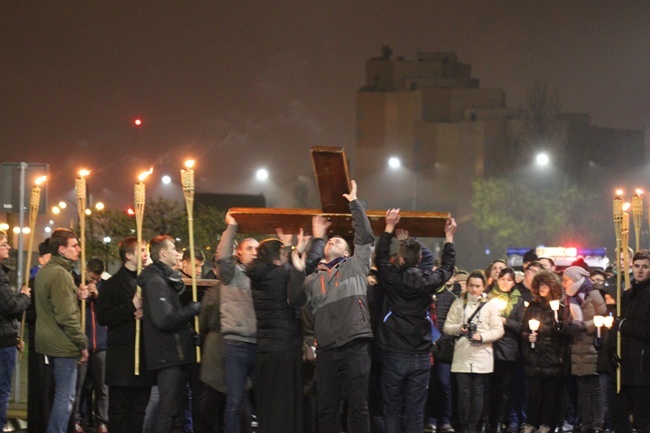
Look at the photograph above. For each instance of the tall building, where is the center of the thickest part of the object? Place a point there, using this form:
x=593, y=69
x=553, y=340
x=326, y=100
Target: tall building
x=446, y=130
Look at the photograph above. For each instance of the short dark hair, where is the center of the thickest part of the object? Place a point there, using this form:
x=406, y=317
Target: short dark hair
x=641, y=255
x=534, y=264
x=507, y=271
x=550, y=260
x=410, y=251
x=198, y=254
x=478, y=273
x=96, y=266
x=551, y=279
x=269, y=250
x=59, y=238
x=156, y=244
x=44, y=247
x=127, y=245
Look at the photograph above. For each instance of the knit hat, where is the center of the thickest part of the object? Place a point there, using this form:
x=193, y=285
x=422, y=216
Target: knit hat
x=529, y=256
x=576, y=273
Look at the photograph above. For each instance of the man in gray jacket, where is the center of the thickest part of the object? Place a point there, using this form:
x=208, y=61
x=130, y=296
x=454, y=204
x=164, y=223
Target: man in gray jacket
x=238, y=324
x=337, y=295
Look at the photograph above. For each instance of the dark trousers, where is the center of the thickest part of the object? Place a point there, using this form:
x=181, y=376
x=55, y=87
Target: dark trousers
x=126, y=407
x=544, y=402
x=500, y=391
x=171, y=385
x=590, y=404
x=471, y=390
x=278, y=391
x=633, y=400
x=439, y=401
x=404, y=383
x=39, y=387
x=347, y=368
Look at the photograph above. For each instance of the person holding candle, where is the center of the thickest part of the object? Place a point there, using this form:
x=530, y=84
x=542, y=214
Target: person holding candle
x=585, y=302
x=634, y=332
x=506, y=349
x=546, y=351
x=478, y=324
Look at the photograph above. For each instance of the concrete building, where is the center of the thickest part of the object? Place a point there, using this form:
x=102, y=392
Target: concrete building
x=446, y=131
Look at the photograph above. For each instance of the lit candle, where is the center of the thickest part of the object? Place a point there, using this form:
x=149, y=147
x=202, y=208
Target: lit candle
x=599, y=321
x=609, y=321
x=555, y=306
x=533, y=324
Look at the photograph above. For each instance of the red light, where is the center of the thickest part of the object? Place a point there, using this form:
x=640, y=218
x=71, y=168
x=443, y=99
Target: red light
x=130, y=211
x=137, y=122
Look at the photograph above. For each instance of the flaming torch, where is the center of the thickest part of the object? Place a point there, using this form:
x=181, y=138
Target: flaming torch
x=138, y=203
x=34, y=202
x=80, y=189
x=187, y=179
x=637, y=215
x=625, y=239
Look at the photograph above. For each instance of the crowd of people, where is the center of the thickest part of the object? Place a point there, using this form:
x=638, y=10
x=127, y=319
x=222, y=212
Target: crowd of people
x=324, y=337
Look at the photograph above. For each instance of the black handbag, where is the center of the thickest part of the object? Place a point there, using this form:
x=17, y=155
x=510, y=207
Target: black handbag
x=443, y=349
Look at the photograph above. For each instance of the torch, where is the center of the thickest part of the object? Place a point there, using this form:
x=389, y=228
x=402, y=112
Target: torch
x=625, y=239
x=187, y=179
x=533, y=324
x=138, y=203
x=34, y=202
x=80, y=189
x=637, y=215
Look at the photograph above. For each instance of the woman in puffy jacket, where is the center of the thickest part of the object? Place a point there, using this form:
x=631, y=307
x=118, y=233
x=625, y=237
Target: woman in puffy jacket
x=477, y=322
x=547, y=357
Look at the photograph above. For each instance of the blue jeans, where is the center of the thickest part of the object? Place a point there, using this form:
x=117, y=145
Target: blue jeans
x=239, y=364
x=404, y=384
x=7, y=364
x=64, y=372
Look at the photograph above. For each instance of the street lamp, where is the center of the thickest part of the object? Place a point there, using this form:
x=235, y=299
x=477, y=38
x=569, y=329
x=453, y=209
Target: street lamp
x=394, y=162
x=542, y=159
x=262, y=174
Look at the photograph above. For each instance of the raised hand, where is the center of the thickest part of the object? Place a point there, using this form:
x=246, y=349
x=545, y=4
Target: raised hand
x=284, y=238
x=353, y=191
x=303, y=241
x=319, y=226
x=450, y=230
x=392, y=218
x=230, y=220
x=401, y=234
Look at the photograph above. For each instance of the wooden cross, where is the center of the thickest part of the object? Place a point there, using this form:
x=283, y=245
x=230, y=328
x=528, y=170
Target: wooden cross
x=331, y=169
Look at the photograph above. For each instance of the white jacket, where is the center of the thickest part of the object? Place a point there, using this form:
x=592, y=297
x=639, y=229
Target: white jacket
x=474, y=356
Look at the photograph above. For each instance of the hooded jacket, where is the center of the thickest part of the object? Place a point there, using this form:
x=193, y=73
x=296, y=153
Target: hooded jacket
x=58, y=317
x=406, y=327
x=338, y=295
x=166, y=324
x=584, y=355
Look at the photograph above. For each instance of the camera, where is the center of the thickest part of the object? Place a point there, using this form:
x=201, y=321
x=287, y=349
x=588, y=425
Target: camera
x=471, y=329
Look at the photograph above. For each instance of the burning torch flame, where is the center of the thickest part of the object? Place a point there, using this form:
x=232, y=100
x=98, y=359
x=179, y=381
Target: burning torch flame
x=144, y=175
x=40, y=180
x=189, y=163
x=83, y=172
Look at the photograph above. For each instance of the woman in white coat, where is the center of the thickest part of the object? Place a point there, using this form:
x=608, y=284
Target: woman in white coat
x=476, y=323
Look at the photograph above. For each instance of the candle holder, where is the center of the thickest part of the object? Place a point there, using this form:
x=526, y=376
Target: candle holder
x=555, y=306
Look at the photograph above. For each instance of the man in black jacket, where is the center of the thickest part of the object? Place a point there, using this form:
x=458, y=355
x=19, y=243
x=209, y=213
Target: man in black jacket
x=118, y=308
x=170, y=343
x=11, y=305
x=405, y=332
x=634, y=332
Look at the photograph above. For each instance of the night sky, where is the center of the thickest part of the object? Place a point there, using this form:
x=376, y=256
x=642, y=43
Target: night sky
x=244, y=84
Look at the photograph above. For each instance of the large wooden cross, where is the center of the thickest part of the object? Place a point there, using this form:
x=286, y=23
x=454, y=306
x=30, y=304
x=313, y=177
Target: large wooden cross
x=331, y=169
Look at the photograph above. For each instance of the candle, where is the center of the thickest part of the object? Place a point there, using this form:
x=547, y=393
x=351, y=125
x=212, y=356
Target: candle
x=609, y=321
x=533, y=324
x=599, y=321
x=555, y=306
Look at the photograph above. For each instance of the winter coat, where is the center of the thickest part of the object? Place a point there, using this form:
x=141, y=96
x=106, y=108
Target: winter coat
x=212, y=365
x=406, y=328
x=551, y=355
x=115, y=311
x=584, y=355
x=11, y=305
x=58, y=317
x=634, y=330
x=338, y=294
x=165, y=321
x=474, y=356
x=237, y=313
x=507, y=347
